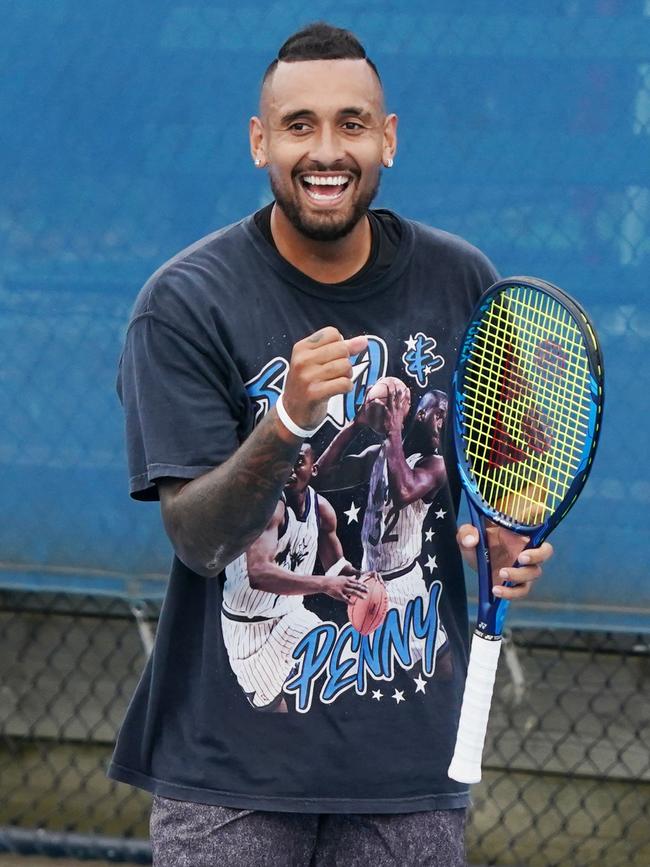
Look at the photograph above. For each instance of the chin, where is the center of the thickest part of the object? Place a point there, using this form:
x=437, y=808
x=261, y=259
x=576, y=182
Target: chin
x=322, y=226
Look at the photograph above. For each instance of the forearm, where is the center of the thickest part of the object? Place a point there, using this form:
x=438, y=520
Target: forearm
x=401, y=478
x=336, y=470
x=215, y=517
x=274, y=579
x=332, y=455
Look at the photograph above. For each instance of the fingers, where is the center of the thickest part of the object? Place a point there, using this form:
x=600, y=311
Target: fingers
x=505, y=549
x=522, y=580
x=355, y=588
x=356, y=344
x=320, y=368
x=328, y=343
x=467, y=536
x=536, y=555
x=522, y=577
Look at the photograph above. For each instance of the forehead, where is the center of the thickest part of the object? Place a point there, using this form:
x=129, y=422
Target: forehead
x=427, y=402
x=321, y=86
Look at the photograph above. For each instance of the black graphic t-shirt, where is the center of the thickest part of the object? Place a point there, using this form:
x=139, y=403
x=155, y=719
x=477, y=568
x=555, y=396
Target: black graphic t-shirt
x=259, y=694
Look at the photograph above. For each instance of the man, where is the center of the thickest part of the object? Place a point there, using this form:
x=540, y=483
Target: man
x=401, y=490
x=287, y=318
x=262, y=614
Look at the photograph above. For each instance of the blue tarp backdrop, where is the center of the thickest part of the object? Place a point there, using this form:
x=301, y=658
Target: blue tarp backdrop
x=524, y=127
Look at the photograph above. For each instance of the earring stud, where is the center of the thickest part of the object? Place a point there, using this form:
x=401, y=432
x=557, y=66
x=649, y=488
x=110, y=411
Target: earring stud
x=389, y=164
x=258, y=163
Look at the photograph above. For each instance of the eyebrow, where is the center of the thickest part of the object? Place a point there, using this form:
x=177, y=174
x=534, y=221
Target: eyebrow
x=350, y=111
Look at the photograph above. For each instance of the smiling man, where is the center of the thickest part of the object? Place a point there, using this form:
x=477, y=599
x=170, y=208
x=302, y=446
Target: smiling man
x=258, y=337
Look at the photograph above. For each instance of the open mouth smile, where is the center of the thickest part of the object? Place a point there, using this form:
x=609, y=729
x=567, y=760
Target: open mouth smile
x=325, y=189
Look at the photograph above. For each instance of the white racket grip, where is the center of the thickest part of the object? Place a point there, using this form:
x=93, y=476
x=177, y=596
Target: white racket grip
x=465, y=765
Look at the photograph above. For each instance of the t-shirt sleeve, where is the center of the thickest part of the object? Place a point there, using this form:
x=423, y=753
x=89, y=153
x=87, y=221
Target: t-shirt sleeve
x=186, y=407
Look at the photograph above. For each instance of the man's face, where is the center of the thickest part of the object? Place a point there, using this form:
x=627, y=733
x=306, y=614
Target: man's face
x=431, y=415
x=303, y=470
x=324, y=135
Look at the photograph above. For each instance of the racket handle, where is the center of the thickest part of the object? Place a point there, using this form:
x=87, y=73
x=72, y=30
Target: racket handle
x=465, y=765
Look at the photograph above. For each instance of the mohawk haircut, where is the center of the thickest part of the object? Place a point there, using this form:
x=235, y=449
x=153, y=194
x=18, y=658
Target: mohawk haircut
x=320, y=41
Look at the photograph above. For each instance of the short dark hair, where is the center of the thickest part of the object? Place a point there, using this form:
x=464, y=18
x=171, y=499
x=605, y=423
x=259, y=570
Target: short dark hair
x=320, y=41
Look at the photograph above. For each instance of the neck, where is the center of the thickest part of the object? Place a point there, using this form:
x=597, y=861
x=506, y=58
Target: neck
x=325, y=261
x=297, y=501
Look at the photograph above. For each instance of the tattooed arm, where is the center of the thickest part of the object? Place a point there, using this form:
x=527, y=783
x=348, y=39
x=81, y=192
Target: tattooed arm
x=212, y=519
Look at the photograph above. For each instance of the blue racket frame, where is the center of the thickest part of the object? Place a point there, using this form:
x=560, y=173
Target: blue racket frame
x=491, y=609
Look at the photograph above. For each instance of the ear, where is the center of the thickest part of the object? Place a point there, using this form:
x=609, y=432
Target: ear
x=256, y=139
x=314, y=470
x=390, y=139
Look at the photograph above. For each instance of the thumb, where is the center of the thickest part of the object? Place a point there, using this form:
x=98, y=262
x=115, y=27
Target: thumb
x=467, y=536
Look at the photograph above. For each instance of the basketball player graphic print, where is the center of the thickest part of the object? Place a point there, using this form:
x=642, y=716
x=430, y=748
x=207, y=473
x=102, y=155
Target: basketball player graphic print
x=404, y=474
x=263, y=615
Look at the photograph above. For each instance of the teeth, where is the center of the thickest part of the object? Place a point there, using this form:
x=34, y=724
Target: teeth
x=317, y=180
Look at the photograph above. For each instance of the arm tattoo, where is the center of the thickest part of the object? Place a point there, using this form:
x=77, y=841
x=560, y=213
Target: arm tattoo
x=218, y=515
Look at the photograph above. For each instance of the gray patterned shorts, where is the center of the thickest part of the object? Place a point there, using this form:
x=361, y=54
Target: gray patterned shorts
x=184, y=834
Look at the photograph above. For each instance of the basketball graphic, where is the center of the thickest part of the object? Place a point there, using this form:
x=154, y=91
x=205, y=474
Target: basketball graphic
x=377, y=398
x=369, y=613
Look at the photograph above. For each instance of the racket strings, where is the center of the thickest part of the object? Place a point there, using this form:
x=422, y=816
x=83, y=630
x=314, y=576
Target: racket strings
x=569, y=423
x=513, y=410
x=526, y=404
x=519, y=479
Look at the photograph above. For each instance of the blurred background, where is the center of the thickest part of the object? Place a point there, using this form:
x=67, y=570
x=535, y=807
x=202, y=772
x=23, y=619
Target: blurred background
x=524, y=127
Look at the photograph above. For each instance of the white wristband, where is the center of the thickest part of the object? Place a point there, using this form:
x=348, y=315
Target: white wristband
x=337, y=567
x=289, y=423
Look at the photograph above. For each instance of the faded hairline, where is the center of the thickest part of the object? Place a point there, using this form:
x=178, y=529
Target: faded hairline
x=268, y=77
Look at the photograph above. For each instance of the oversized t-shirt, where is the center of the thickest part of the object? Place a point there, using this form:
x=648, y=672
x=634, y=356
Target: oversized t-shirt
x=252, y=699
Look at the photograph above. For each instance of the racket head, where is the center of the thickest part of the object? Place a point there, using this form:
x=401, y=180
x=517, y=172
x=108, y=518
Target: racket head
x=528, y=397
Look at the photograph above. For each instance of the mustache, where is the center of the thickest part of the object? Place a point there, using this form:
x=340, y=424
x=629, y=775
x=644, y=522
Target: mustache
x=323, y=167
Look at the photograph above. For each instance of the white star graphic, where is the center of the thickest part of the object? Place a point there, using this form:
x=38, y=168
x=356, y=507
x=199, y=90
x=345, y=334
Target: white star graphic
x=398, y=696
x=420, y=684
x=410, y=343
x=377, y=694
x=428, y=369
x=352, y=513
x=440, y=513
x=431, y=563
x=429, y=535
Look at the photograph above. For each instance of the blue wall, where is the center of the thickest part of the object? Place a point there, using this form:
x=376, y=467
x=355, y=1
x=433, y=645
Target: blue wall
x=124, y=135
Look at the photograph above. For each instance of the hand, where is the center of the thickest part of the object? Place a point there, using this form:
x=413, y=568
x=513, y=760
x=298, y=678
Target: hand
x=320, y=368
x=342, y=587
x=361, y=418
x=397, y=405
x=506, y=548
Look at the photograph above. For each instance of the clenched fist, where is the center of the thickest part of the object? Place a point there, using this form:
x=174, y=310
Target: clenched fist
x=320, y=368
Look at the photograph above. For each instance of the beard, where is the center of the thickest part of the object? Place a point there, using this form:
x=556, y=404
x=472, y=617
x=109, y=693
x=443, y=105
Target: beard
x=323, y=227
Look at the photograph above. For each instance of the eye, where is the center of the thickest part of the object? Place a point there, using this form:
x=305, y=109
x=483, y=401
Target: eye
x=299, y=126
x=352, y=126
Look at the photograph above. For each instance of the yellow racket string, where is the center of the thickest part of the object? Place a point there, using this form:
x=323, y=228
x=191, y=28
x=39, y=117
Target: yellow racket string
x=514, y=408
x=526, y=404
x=530, y=491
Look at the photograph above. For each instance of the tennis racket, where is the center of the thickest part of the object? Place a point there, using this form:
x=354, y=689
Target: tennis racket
x=528, y=402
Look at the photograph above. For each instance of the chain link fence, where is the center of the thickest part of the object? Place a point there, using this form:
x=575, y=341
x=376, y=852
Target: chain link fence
x=525, y=129
x=566, y=769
